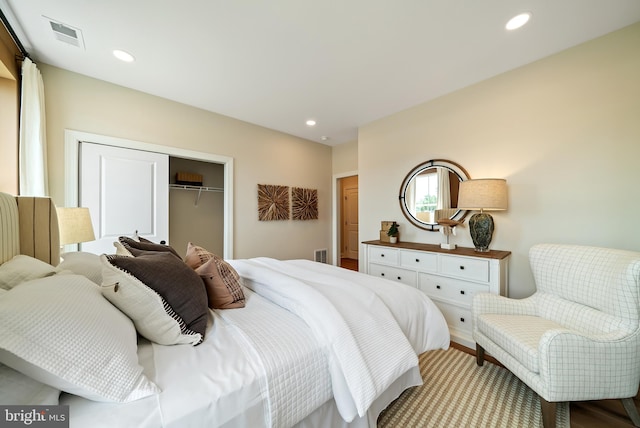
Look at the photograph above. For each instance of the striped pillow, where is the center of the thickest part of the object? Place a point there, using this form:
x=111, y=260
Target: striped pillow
x=220, y=278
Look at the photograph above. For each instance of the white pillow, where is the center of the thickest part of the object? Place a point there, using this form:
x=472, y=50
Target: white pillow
x=23, y=268
x=60, y=331
x=81, y=263
x=19, y=389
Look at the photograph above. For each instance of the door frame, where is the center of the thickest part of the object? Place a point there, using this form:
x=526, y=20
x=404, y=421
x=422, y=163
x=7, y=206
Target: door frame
x=335, y=215
x=72, y=140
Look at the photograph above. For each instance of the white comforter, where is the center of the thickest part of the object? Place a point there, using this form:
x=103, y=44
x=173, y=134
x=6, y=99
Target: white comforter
x=355, y=317
x=262, y=366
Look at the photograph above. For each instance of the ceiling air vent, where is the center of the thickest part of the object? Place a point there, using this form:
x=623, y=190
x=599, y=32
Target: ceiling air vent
x=66, y=33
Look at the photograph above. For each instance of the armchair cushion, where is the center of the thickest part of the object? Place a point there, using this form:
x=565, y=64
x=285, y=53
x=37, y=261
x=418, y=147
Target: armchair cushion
x=519, y=335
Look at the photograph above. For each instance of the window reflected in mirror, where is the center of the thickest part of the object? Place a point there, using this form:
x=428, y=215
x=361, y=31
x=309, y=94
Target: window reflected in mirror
x=430, y=192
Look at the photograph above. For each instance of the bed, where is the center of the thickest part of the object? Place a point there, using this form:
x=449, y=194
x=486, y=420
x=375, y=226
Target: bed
x=296, y=344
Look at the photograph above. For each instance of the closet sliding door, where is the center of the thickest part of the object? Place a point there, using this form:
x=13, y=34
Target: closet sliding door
x=126, y=191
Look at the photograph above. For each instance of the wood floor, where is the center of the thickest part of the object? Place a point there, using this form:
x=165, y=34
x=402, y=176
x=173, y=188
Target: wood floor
x=351, y=264
x=587, y=414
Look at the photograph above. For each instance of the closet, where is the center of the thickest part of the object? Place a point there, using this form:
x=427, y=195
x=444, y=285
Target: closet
x=196, y=213
x=129, y=190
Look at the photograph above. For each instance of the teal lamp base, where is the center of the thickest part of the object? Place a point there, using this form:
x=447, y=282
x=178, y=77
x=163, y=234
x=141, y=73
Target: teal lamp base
x=481, y=228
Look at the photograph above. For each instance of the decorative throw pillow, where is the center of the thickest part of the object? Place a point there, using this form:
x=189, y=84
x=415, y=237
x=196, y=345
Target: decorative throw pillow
x=121, y=250
x=82, y=263
x=138, y=247
x=19, y=389
x=196, y=256
x=165, y=299
x=23, y=268
x=61, y=332
x=223, y=284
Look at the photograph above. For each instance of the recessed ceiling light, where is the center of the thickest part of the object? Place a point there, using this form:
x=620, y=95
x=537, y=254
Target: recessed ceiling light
x=518, y=21
x=324, y=138
x=123, y=56
x=311, y=122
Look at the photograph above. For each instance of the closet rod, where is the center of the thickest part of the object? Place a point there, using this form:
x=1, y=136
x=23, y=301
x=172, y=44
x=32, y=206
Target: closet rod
x=200, y=189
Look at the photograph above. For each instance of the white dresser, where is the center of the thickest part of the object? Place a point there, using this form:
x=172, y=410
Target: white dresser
x=449, y=277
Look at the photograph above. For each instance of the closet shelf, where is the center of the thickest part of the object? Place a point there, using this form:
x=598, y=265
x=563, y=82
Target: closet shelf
x=199, y=189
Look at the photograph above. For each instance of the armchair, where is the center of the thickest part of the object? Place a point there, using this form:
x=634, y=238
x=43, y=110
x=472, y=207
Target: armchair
x=578, y=336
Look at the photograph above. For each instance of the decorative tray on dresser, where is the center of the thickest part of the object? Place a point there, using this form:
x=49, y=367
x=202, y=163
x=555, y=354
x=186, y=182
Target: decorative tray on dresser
x=449, y=277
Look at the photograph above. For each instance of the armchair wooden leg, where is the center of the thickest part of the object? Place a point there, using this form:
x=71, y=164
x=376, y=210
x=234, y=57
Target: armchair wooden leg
x=548, y=413
x=479, y=355
x=632, y=411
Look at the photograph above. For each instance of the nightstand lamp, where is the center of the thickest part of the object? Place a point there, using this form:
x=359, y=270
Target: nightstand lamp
x=486, y=194
x=75, y=225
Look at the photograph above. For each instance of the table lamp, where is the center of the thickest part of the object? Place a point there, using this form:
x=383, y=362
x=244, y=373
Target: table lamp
x=485, y=194
x=75, y=225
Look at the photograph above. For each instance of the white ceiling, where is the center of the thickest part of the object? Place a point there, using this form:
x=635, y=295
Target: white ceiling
x=277, y=63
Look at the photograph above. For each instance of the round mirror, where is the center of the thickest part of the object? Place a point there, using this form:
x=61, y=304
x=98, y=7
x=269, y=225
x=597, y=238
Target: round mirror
x=430, y=192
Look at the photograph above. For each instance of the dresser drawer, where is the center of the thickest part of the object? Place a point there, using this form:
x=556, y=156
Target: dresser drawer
x=384, y=255
x=419, y=260
x=464, y=267
x=450, y=289
x=455, y=316
x=394, y=274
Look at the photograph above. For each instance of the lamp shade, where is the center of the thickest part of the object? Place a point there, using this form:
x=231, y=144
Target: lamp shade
x=75, y=225
x=489, y=194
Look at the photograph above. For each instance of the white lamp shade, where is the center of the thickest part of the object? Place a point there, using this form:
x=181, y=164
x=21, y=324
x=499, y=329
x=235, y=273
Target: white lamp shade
x=75, y=225
x=488, y=194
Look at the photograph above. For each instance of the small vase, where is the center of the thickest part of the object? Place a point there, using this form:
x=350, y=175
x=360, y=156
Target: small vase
x=393, y=239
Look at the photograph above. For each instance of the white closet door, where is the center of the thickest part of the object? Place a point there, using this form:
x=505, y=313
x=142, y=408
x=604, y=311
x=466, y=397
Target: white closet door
x=126, y=191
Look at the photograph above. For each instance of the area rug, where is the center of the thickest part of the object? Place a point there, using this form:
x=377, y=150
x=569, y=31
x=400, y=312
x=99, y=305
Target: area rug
x=458, y=393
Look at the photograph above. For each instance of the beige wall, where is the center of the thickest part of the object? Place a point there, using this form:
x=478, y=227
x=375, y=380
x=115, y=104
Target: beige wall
x=261, y=156
x=345, y=157
x=565, y=133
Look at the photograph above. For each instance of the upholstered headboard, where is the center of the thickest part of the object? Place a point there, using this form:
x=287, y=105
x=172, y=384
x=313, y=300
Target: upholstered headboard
x=29, y=225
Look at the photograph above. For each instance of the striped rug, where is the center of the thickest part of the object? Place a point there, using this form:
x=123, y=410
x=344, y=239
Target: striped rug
x=458, y=393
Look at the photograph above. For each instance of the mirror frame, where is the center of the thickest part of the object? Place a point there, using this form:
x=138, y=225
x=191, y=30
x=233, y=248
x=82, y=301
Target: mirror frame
x=451, y=166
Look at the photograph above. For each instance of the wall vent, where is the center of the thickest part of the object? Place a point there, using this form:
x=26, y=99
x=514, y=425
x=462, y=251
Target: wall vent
x=65, y=33
x=320, y=255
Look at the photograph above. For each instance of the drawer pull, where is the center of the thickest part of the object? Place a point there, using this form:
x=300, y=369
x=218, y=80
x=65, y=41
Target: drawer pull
x=462, y=319
x=382, y=274
x=399, y=278
x=417, y=260
x=461, y=267
x=438, y=287
x=461, y=291
x=381, y=255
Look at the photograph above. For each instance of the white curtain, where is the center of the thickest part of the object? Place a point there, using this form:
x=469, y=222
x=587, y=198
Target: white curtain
x=410, y=197
x=444, y=189
x=33, y=141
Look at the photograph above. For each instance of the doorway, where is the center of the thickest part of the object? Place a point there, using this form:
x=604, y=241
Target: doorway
x=348, y=222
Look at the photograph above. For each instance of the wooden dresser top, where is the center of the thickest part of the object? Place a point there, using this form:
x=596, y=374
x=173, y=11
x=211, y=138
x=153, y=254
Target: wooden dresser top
x=459, y=251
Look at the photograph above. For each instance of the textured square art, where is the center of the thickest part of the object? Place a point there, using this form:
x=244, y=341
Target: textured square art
x=273, y=202
x=304, y=204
